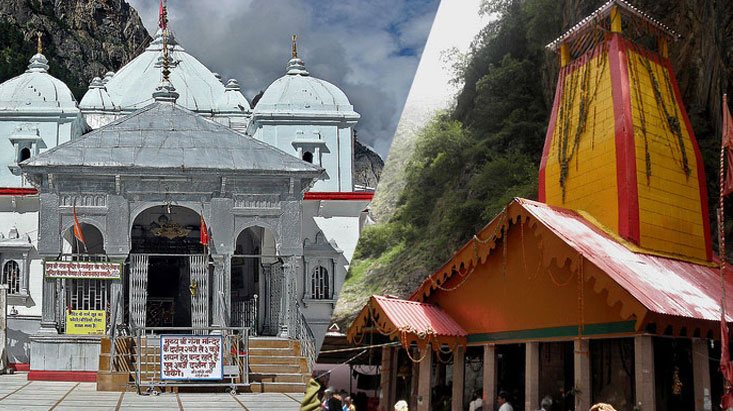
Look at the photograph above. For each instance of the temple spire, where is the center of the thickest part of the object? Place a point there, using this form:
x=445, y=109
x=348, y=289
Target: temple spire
x=39, y=45
x=295, y=46
x=165, y=92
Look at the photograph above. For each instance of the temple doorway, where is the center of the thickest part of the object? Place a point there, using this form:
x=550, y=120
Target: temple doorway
x=255, y=282
x=169, y=273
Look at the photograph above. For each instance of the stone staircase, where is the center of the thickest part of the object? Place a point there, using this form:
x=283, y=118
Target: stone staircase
x=275, y=365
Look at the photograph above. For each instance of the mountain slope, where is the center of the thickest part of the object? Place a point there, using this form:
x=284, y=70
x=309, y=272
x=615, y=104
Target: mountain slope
x=466, y=165
x=81, y=38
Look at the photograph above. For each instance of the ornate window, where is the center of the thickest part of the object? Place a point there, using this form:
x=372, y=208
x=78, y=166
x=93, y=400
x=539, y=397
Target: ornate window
x=11, y=277
x=320, y=283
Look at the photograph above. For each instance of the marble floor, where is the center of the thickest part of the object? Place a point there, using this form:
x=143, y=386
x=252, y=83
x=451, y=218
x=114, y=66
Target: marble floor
x=17, y=393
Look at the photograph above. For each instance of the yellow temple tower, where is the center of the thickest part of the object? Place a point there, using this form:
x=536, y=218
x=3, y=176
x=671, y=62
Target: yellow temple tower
x=619, y=145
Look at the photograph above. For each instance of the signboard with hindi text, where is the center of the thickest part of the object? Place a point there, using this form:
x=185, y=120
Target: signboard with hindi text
x=86, y=322
x=191, y=357
x=82, y=269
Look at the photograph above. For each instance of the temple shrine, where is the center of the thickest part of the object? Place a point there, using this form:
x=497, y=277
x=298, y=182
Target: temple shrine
x=606, y=289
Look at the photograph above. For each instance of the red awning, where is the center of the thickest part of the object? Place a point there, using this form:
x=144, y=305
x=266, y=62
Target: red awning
x=408, y=321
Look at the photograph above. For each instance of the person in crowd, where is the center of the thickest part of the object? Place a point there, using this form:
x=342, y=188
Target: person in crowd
x=503, y=400
x=477, y=401
x=348, y=404
x=327, y=395
x=401, y=405
x=334, y=403
x=311, y=401
x=546, y=403
x=602, y=407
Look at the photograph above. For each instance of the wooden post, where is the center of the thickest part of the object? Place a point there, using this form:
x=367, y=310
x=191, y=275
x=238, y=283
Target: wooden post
x=581, y=362
x=424, y=388
x=615, y=19
x=644, y=372
x=531, y=375
x=385, y=380
x=459, y=356
x=489, y=377
x=701, y=375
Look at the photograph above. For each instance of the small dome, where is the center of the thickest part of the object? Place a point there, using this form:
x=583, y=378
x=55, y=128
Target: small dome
x=233, y=101
x=36, y=89
x=96, y=98
x=133, y=85
x=108, y=76
x=298, y=92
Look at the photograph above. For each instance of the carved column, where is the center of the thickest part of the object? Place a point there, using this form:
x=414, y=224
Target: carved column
x=116, y=288
x=288, y=300
x=221, y=305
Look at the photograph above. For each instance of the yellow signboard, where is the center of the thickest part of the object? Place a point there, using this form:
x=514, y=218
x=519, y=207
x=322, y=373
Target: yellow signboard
x=85, y=322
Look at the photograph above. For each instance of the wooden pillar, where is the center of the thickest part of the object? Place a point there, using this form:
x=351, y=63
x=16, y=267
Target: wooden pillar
x=489, y=377
x=701, y=375
x=644, y=372
x=459, y=356
x=424, y=388
x=615, y=19
x=531, y=375
x=581, y=365
x=414, y=386
x=385, y=379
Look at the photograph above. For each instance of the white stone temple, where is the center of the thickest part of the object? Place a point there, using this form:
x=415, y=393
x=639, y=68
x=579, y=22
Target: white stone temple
x=140, y=168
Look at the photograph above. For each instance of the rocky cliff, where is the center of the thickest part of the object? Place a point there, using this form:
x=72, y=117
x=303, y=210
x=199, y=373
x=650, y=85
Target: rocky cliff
x=368, y=166
x=81, y=38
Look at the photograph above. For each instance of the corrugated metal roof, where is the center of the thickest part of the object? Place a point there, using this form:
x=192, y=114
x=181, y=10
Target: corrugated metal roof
x=168, y=136
x=663, y=285
x=418, y=317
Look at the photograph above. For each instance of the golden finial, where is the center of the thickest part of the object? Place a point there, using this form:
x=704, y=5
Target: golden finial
x=39, y=45
x=295, y=46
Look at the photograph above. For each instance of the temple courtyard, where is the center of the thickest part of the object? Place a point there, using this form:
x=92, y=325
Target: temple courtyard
x=17, y=393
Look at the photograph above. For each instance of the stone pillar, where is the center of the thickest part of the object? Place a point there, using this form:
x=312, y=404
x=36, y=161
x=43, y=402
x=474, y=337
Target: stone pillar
x=459, y=356
x=116, y=292
x=644, y=372
x=48, y=307
x=424, y=387
x=701, y=375
x=489, y=377
x=531, y=375
x=385, y=379
x=582, y=376
x=221, y=313
x=3, y=327
x=288, y=302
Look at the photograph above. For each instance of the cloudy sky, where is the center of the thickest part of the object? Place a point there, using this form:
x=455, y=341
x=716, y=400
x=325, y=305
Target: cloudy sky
x=370, y=49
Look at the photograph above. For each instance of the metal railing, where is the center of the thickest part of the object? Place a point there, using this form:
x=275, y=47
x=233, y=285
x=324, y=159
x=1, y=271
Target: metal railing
x=148, y=357
x=307, y=340
x=244, y=313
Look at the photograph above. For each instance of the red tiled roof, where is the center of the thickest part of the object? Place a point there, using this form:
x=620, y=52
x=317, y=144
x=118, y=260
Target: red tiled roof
x=420, y=317
x=663, y=285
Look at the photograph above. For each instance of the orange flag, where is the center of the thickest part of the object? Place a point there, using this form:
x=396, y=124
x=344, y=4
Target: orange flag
x=77, y=229
x=204, y=232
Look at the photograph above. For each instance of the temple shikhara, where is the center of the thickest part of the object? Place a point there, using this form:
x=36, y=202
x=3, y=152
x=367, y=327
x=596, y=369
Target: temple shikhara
x=607, y=288
x=163, y=198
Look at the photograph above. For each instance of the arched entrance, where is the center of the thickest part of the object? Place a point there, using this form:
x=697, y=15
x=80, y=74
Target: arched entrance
x=254, y=277
x=169, y=273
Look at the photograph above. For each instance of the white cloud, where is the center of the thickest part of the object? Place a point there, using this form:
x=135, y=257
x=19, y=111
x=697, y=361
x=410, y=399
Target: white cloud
x=357, y=45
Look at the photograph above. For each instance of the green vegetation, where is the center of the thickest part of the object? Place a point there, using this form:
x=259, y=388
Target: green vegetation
x=470, y=162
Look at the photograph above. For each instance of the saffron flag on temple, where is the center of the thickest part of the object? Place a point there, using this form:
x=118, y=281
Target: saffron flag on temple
x=728, y=145
x=204, y=236
x=77, y=229
x=163, y=16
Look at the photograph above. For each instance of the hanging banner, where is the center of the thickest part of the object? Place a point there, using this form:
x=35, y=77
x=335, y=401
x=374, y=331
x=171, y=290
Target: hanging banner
x=191, y=357
x=82, y=269
x=86, y=322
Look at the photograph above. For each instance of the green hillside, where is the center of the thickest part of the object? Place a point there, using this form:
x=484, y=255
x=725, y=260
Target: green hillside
x=471, y=161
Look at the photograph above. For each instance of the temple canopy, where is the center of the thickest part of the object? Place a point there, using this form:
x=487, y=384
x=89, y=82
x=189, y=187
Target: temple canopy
x=164, y=135
x=409, y=322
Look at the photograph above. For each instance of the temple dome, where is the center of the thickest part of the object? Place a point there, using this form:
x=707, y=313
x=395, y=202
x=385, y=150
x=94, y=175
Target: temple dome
x=133, y=85
x=299, y=93
x=36, y=90
x=96, y=98
x=233, y=101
